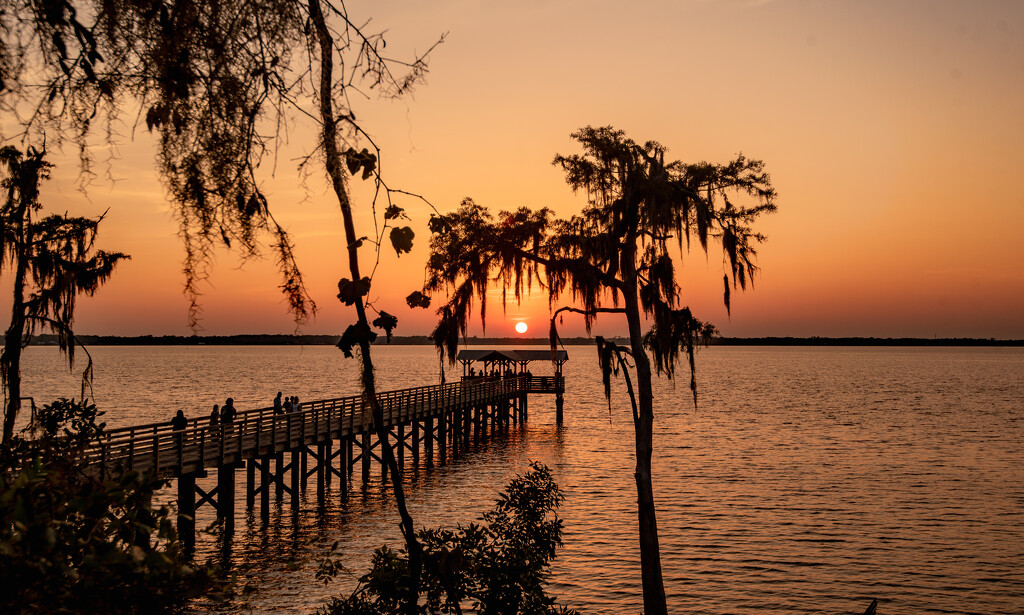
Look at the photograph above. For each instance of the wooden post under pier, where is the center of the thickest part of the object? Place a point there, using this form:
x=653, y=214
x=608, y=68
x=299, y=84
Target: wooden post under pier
x=187, y=511
x=428, y=421
x=226, y=497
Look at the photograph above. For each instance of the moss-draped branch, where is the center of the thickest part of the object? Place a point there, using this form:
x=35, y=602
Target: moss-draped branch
x=637, y=203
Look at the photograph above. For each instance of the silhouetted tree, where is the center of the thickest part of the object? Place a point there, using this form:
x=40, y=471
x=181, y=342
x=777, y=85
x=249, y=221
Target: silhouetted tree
x=617, y=251
x=53, y=261
x=216, y=81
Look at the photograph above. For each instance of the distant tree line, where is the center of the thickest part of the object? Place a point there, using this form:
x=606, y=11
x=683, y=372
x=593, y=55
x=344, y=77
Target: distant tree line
x=423, y=340
x=863, y=341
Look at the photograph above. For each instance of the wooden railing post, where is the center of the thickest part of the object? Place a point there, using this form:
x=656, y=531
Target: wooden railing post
x=131, y=449
x=156, y=453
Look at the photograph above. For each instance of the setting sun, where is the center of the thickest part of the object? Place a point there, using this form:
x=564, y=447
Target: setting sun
x=521, y=327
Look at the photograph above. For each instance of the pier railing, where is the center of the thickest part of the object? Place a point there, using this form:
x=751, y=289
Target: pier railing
x=156, y=446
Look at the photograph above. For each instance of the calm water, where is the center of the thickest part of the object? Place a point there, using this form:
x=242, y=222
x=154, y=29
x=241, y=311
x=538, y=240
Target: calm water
x=808, y=480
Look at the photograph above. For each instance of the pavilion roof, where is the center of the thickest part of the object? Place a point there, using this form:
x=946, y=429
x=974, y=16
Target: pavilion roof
x=511, y=356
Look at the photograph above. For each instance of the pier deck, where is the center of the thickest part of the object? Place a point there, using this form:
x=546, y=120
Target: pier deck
x=323, y=438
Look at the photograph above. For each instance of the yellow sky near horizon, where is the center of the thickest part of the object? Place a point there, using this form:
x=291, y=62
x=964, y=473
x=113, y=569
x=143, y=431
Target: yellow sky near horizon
x=893, y=132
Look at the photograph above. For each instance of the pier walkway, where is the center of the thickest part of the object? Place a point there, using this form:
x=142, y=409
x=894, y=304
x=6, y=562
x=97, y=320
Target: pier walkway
x=325, y=439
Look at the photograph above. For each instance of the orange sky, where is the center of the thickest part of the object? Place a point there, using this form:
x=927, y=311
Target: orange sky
x=893, y=132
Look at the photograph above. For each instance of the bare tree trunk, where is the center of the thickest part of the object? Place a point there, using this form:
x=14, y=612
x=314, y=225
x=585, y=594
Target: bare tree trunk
x=335, y=171
x=650, y=551
x=10, y=359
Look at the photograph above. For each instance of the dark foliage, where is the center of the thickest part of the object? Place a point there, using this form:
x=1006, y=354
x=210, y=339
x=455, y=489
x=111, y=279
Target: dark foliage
x=219, y=83
x=498, y=566
x=73, y=542
x=617, y=251
x=53, y=261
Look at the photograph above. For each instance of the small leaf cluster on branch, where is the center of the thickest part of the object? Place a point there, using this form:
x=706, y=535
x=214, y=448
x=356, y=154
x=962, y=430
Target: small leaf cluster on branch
x=349, y=292
x=360, y=160
x=353, y=336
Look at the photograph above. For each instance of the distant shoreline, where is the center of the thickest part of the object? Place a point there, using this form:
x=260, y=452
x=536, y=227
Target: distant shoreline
x=423, y=340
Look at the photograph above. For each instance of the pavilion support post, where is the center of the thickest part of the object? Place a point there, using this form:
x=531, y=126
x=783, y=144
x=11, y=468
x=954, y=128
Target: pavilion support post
x=265, y=489
x=428, y=442
x=187, y=511
x=380, y=460
x=415, y=444
x=279, y=472
x=303, y=462
x=321, y=475
x=345, y=461
x=454, y=435
x=349, y=443
x=456, y=432
x=465, y=429
x=329, y=456
x=559, y=403
x=401, y=448
x=442, y=437
x=250, y=483
x=365, y=441
x=226, y=497
x=295, y=465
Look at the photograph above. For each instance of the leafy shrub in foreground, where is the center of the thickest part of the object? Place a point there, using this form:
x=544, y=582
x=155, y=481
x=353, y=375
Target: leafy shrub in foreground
x=499, y=566
x=73, y=542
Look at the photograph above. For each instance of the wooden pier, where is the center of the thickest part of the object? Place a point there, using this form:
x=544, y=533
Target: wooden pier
x=324, y=439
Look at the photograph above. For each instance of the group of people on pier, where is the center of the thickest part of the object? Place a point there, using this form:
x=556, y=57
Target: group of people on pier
x=219, y=416
x=226, y=415
x=496, y=373
x=290, y=404
x=223, y=416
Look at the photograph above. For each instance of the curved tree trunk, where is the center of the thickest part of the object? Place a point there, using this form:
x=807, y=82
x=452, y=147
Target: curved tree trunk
x=336, y=172
x=650, y=551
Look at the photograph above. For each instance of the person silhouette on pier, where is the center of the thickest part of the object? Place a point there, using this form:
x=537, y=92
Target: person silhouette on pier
x=178, y=425
x=278, y=409
x=215, y=416
x=228, y=412
x=179, y=422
